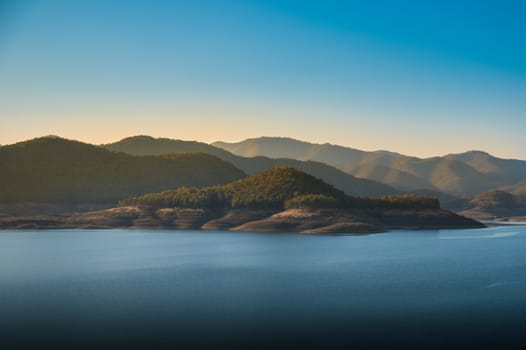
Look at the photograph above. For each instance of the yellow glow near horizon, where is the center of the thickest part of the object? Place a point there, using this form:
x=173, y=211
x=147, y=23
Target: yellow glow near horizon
x=233, y=125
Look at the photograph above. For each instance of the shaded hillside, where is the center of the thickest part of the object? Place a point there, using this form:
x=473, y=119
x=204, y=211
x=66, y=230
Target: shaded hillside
x=447, y=175
x=495, y=204
x=517, y=189
x=141, y=145
x=470, y=172
x=58, y=170
x=510, y=170
x=454, y=176
x=390, y=176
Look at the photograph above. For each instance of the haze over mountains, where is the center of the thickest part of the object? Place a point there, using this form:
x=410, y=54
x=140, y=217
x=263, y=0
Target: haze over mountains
x=466, y=173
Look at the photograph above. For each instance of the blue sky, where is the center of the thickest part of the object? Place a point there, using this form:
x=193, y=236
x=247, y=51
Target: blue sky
x=420, y=78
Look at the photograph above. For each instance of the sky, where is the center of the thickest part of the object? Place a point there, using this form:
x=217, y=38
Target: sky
x=422, y=78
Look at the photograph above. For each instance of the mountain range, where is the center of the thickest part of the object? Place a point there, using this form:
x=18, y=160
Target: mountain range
x=57, y=170
x=351, y=185
x=465, y=173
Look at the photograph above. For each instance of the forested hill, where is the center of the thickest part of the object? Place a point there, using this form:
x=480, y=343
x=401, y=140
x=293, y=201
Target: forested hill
x=143, y=145
x=277, y=188
x=51, y=169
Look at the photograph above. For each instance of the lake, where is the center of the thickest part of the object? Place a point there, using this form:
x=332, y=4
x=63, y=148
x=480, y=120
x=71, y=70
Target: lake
x=97, y=289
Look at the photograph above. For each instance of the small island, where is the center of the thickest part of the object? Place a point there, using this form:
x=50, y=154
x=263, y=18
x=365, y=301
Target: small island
x=281, y=199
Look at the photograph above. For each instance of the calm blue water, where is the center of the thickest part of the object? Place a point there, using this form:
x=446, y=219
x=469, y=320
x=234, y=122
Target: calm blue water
x=462, y=289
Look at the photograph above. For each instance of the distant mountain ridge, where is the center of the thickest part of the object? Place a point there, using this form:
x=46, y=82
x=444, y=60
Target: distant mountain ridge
x=146, y=145
x=284, y=147
x=470, y=172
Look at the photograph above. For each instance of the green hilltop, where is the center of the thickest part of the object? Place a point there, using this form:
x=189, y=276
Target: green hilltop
x=277, y=188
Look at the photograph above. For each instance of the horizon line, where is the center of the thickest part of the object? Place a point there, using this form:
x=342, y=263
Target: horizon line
x=256, y=138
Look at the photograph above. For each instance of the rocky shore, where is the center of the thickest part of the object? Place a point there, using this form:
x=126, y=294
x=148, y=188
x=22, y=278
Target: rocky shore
x=307, y=221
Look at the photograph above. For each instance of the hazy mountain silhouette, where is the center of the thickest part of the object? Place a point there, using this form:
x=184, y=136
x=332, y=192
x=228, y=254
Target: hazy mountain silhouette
x=283, y=147
x=471, y=172
x=448, y=175
x=390, y=176
x=508, y=169
x=142, y=145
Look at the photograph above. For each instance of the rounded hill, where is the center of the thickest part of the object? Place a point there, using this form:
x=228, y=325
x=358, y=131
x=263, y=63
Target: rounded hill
x=64, y=171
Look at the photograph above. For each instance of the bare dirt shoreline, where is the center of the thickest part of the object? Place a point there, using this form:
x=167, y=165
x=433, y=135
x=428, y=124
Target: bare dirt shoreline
x=306, y=221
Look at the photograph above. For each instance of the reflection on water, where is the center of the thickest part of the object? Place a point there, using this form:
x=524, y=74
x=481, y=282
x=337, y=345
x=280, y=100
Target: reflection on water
x=456, y=289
